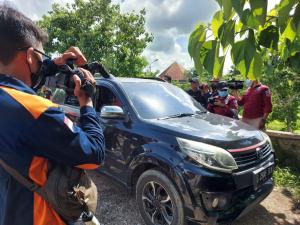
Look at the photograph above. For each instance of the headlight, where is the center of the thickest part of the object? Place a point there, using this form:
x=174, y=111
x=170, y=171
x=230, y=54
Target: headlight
x=267, y=139
x=208, y=155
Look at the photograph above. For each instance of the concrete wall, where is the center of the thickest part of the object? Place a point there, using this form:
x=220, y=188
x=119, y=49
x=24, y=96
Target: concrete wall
x=287, y=147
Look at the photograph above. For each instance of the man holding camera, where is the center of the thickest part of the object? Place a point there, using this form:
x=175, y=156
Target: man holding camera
x=223, y=104
x=257, y=103
x=35, y=130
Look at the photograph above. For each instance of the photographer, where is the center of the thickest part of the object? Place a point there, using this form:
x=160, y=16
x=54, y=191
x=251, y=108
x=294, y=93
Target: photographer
x=223, y=104
x=257, y=103
x=35, y=130
x=195, y=91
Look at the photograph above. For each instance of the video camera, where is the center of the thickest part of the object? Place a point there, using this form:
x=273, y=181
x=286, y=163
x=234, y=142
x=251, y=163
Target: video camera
x=62, y=76
x=231, y=84
x=235, y=84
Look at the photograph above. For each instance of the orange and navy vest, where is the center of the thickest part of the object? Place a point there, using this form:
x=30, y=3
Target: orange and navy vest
x=34, y=130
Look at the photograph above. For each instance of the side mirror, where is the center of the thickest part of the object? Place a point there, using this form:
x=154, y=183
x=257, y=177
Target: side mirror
x=112, y=112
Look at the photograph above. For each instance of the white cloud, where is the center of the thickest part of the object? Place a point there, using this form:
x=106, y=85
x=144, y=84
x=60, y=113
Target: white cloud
x=171, y=22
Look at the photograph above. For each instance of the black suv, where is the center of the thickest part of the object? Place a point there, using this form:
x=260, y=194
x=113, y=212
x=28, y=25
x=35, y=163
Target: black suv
x=184, y=163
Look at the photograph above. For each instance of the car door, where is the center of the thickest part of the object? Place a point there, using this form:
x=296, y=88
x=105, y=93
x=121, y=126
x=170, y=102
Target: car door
x=120, y=142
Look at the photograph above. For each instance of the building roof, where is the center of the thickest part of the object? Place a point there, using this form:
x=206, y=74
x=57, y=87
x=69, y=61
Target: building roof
x=175, y=71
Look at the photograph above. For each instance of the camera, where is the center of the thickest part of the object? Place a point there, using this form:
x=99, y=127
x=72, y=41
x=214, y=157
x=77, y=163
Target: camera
x=62, y=76
x=235, y=84
x=212, y=100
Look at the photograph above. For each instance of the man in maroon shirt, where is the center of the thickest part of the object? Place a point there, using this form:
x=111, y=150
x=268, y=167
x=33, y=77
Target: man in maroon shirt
x=224, y=104
x=257, y=103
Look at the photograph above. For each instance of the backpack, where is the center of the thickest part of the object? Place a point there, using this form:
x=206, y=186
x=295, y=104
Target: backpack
x=68, y=190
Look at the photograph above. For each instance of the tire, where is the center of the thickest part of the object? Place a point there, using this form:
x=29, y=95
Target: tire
x=162, y=207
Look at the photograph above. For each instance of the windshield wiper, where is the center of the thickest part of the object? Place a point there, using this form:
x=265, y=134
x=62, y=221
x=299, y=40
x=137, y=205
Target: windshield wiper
x=179, y=115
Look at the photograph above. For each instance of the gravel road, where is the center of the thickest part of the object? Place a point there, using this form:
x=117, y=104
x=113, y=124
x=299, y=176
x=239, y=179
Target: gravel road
x=118, y=208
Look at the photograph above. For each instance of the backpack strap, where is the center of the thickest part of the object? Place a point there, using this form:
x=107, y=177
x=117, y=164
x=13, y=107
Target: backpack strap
x=29, y=184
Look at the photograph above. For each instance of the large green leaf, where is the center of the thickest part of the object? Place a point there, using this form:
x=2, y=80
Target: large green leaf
x=238, y=6
x=217, y=22
x=198, y=35
x=196, y=41
x=256, y=66
x=284, y=9
x=210, y=59
x=269, y=37
x=226, y=33
x=249, y=20
x=259, y=10
x=296, y=19
x=290, y=31
x=242, y=54
x=227, y=7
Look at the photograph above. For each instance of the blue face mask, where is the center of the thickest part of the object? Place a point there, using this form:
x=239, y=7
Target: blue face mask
x=222, y=94
x=249, y=83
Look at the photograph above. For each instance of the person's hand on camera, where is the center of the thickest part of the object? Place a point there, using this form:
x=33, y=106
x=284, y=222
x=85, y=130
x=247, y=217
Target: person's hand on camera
x=83, y=99
x=235, y=93
x=71, y=53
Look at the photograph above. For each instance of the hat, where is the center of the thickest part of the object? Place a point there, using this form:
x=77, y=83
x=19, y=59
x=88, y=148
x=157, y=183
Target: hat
x=194, y=80
x=222, y=85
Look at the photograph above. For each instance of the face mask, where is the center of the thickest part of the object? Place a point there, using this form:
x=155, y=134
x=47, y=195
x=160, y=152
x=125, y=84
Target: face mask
x=249, y=83
x=37, y=77
x=222, y=94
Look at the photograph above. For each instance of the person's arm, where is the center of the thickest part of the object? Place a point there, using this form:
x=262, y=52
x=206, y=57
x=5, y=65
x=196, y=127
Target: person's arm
x=267, y=98
x=55, y=137
x=240, y=99
x=210, y=108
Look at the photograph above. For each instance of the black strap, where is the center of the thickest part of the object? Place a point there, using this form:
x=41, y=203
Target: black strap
x=29, y=184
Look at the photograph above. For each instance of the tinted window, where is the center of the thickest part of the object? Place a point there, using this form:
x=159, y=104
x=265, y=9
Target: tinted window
x=158, y=100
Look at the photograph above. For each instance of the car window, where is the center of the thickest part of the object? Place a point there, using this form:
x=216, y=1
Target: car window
x=107, y=97
x=158, y=100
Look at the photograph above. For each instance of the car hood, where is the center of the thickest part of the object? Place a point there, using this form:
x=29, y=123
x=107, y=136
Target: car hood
x=212, y=129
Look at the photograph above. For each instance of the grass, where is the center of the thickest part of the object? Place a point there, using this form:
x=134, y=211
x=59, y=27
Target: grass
x=281, y=126
x=289, y=179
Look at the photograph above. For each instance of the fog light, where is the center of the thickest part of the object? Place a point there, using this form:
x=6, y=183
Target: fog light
x=215, y=203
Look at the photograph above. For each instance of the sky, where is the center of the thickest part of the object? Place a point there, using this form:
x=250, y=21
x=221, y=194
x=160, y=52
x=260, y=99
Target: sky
x=170, y=22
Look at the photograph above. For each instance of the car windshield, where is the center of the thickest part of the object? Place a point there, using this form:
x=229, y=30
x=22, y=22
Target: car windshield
x=161, y=100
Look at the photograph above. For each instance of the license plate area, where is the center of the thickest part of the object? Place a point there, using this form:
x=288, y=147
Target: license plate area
x=263, y=174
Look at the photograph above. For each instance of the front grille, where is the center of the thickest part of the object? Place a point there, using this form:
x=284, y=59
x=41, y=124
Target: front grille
x=246, y=159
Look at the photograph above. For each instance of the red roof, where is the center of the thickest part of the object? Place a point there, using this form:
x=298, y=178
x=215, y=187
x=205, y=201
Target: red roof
x=175, y=71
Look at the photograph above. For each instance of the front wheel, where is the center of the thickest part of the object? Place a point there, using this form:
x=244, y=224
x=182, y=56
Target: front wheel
x=158, y=200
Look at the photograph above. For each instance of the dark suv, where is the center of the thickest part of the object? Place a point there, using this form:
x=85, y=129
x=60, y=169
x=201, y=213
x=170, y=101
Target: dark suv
x=184, y=163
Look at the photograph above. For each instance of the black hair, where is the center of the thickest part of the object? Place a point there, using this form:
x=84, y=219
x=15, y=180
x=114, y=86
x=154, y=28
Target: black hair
x=17, y=31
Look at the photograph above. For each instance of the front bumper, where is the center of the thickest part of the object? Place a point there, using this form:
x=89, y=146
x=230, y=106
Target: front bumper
x=235, y=194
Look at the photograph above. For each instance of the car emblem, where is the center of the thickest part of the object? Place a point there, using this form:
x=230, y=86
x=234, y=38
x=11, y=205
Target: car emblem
x=259, y=153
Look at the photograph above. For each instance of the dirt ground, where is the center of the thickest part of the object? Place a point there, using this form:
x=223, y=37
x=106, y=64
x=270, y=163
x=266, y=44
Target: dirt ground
x=118, y=208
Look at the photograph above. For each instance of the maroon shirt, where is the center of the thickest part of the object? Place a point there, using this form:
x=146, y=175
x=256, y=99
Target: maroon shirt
x=230, y=108
x=256, y=101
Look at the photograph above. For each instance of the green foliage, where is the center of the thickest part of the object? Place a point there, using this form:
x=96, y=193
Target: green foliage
x=101, y=31
x=289, y=179
x=285, y=85
x=247, y=31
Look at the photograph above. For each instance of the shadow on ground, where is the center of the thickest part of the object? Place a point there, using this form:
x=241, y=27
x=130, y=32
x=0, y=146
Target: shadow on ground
x=117, y=207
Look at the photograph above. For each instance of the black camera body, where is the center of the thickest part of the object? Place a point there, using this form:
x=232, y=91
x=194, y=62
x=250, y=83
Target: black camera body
x=235, y=84
x=212, y=100
x=62, y=77
x=231, y=84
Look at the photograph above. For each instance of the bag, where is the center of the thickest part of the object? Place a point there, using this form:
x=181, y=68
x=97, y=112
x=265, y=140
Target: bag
x=68, y=190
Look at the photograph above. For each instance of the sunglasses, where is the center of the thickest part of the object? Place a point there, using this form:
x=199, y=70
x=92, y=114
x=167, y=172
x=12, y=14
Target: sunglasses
x=44, y=56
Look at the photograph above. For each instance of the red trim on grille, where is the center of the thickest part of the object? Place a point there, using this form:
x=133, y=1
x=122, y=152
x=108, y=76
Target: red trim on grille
x=247, y=148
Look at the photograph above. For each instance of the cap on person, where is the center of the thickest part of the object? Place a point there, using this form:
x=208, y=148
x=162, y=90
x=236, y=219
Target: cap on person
x=194, y=80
